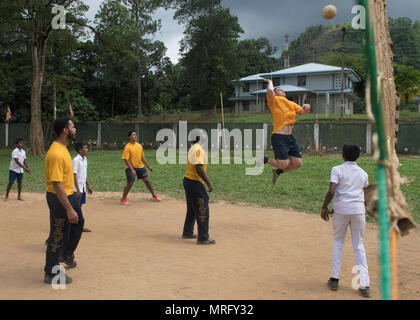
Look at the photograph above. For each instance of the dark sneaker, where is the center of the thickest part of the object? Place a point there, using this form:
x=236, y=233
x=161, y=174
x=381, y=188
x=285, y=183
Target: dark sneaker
x=206, y=242
x=69, y=262
x=275, y=175
x=48, y=278
x=333, y=284
x=365, y=292
x=191, y=236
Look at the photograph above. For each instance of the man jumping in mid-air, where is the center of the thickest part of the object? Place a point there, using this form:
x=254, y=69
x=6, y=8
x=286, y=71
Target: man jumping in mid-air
x=286, y=150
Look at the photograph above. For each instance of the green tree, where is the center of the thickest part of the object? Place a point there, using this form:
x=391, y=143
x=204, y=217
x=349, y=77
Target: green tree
x=125, y=49
x=30, y=22
x=407, y=81
x=405, y=35
x=257, y=56
x=209, y=50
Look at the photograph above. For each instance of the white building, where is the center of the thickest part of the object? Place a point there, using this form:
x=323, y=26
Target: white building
x=313, y=83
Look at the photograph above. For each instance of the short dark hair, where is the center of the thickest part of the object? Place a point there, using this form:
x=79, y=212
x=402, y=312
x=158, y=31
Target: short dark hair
x=79, y=146
x=18, y=140
x=351, y=152
x=60, y=124
x=130, y=133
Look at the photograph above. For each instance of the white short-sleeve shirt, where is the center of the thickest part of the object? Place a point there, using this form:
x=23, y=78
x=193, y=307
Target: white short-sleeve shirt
x=349, y=196
x=80, y=168
x=19, y=154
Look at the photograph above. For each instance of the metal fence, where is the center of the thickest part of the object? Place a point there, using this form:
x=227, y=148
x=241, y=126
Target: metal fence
x=323, y=137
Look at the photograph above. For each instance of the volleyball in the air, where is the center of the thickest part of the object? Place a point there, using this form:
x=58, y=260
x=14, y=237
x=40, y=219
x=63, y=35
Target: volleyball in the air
x=329, y=11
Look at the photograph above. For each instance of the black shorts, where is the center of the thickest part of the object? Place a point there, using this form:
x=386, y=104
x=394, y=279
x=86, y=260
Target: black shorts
x=141, y=174
x=285, y=146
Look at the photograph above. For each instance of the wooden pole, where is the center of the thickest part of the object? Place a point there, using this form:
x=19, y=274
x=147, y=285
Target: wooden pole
x=55, y=98
x=342, y=76
x=394, y=265
x=223, y=119
x=7, y=134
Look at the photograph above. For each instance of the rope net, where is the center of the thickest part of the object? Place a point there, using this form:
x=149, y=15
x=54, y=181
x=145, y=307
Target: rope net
x=400, y=218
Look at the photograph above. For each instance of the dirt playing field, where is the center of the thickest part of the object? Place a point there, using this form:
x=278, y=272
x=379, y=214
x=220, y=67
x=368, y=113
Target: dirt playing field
x=136, y=252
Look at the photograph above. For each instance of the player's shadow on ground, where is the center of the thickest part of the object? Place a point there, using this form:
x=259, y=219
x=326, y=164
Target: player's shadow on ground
x=27, y=277
x=171, y=238
x=33, y=247
x=320, y=289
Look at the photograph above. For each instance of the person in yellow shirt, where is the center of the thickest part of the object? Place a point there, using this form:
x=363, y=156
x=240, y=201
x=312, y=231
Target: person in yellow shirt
x=66, y=219
x=134, y=161
x=196, y=195
x=288, y=155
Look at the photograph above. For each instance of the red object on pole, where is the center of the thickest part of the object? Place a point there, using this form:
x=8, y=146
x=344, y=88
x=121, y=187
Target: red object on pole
x=8, y=114
x=70, y=109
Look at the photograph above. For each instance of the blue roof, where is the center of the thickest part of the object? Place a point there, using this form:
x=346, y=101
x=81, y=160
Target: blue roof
x=251, y=78
x=333, y=91
x=288, y=88
x=309, y=68
x=243, y=98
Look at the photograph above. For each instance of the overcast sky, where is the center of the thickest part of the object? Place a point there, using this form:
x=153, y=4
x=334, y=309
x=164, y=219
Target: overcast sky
x=272, y=18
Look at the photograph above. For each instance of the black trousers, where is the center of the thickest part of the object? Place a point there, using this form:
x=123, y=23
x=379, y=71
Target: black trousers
x=197, y=209
x=64, y=237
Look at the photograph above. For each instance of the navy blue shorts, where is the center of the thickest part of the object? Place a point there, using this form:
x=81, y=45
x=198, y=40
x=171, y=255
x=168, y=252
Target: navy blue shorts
x=14, y=175
x=285, y=146
x=82, y=199
x=141, y=174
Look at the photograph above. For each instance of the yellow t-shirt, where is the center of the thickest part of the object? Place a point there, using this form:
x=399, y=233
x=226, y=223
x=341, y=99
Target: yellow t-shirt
x=196, y=155
x=283, y=112
x=59, y=168
x=133, y=152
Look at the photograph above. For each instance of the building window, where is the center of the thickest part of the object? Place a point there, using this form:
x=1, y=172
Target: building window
x=264, y=85
x=283, y=80
x=338, y=81
x=301, y=81
x=276, y=82
x=246, y=88
x=245, y=106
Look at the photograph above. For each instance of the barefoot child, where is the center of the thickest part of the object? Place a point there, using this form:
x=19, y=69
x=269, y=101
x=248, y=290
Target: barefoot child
x=18, y=164
x=80, y=164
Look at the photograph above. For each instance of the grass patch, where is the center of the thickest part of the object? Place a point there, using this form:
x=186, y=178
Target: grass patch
x=301, y=190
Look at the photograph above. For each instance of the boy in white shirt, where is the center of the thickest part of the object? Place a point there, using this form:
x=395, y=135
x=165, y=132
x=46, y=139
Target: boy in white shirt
x=18, y=164
x=80, y=175
x=347, y=185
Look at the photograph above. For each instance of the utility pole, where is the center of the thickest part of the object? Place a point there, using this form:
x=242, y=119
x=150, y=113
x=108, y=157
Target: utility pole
x=287, y=59
x=342, y=75
x=139, y=106
x=55, y=98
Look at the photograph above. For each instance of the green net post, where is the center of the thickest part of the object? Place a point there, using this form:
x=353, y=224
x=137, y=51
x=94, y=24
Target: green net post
x=381, y=171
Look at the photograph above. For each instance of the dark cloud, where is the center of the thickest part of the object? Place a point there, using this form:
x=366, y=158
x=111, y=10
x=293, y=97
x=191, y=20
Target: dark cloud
x=273, y=18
